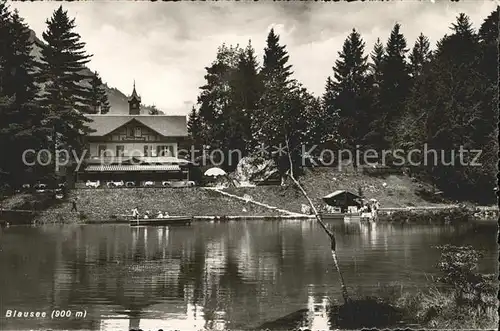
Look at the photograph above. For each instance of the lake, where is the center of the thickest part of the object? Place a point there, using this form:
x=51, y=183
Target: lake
x=234, y=275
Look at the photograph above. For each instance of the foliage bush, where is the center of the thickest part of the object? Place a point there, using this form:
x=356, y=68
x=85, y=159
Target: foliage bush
x=460, y=298
x=459, y=266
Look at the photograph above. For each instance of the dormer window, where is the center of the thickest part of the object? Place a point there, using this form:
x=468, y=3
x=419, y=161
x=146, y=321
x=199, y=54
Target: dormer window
x=137, y=132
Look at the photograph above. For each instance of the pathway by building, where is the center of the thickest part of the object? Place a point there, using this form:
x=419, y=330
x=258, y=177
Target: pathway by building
x=283, y=211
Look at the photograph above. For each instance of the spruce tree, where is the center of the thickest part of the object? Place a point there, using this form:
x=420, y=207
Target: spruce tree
x=195, y=128
x=377, y=57
x=395, y=83
x=20, y=115
x=105, y=105
x=420, y=56
x=489, y=31
x=375, y=136
x=350, y=91
x=65, y=96
x=4, y=33
x=246, y=86
x=99, y=97
x=455, y=101
x=276, y=57
x=283, y=106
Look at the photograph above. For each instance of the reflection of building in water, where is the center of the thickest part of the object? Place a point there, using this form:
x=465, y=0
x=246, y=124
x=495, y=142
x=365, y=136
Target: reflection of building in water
x=254, y=264
x=135, y=235
x=246, y=264
x=373, y=234
x=317, y=314
x=215, y=262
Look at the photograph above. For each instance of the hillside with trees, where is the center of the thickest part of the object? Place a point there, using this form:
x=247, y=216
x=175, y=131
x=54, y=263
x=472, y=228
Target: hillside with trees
x=402, y=95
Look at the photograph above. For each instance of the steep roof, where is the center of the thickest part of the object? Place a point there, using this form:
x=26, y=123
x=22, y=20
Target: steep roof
x=134, y=95
x=166, y=125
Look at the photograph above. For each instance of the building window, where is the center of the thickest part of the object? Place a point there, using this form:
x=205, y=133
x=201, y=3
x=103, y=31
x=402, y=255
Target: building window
x=101, y=150
x=165, y=150
x=120, y=151
x=130, y=132
x=137, y=132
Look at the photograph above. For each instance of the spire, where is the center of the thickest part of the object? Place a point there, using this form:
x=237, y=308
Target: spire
x=134, y=95
x=134, y=103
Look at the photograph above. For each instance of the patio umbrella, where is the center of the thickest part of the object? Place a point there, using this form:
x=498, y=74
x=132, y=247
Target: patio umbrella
x=215, y=172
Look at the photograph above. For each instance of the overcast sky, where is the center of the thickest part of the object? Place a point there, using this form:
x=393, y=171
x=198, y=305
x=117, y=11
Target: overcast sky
x=166, y=46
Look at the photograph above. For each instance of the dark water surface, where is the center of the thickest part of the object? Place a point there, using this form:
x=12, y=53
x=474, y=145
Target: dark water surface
x=234, y=275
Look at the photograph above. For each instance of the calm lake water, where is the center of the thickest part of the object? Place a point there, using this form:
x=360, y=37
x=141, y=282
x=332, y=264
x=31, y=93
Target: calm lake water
x=234, y=275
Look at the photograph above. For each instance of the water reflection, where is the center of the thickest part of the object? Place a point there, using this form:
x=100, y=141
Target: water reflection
x=210, y=276
x=317, y=318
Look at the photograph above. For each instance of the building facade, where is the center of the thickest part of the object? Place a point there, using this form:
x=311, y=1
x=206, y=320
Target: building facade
x=135, y=147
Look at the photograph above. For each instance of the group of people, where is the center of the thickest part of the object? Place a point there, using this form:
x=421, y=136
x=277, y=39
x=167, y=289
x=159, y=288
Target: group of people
x=147, y=214
x=370, y=207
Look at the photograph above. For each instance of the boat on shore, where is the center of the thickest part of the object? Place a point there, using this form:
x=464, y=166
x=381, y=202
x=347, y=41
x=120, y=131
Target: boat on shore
x=169, y=220
x=348, y=217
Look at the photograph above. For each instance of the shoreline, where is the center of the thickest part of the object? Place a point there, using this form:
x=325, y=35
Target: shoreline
x=108, y=206
x=236, y=218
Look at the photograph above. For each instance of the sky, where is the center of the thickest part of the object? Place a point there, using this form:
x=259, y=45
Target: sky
x=165, y=46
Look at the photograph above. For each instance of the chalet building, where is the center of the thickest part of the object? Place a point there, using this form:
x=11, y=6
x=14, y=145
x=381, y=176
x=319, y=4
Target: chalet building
x=135, y=147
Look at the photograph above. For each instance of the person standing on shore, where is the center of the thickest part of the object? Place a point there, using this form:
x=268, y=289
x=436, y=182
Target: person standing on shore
x=135, y=213
x=73, y=205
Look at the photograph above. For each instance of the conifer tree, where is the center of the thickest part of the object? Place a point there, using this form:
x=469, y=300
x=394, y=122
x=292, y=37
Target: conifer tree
x=395, y=83
x=99, y=97
x=276, y=57
x=489, y=31
x=350, y=91
x=195, y=128
x=20, y=115
x=454, y=98
x=375, y=136
x=65, y=96
x=377, y=57
x=282, y=110
x=420, y=56
x=246, y=88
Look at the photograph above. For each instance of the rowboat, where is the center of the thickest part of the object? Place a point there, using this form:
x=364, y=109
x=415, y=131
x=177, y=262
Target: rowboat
x=347, y=217
x=332, y=216
x=338, y=216
x=169, y=220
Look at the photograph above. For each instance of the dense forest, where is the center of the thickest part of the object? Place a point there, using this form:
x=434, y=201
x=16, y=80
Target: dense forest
x=395, y=97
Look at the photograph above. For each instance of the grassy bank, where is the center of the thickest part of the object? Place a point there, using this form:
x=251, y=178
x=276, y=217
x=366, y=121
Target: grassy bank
x=105, y=204
x=391, y=191
x=102, y=204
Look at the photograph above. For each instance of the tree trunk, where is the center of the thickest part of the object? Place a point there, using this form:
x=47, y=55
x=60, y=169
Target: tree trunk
x=330, y=234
